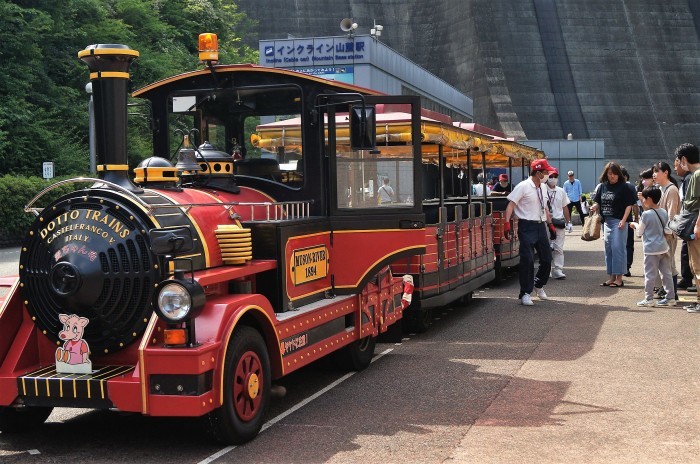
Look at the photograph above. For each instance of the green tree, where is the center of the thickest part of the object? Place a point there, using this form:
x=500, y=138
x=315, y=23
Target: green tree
x=43, y=109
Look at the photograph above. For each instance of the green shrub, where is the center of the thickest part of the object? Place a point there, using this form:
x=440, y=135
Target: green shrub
x=16, y=192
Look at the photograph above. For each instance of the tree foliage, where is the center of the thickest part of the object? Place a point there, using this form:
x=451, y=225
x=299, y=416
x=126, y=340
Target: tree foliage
x=43, y=109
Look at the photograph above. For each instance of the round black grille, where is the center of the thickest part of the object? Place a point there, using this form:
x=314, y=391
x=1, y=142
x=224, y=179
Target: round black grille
x=88, y=255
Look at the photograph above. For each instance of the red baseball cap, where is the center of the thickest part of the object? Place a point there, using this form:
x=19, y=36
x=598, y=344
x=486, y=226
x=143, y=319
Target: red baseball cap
x=503, y=177
x=541, y=165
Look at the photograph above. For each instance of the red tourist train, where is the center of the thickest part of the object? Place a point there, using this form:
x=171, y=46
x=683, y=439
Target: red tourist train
x=189, y=288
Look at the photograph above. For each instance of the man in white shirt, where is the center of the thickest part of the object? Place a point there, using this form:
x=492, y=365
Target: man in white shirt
x=557, y=199
x=385, y=193
x=478, y=188
x=528, y=201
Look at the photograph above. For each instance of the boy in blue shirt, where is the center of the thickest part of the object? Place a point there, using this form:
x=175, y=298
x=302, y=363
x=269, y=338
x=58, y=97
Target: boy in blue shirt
x=652, y=227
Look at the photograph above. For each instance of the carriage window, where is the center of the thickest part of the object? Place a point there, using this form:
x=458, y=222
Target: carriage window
x=375, y=180
x=179, y=125
x=275, y=150
x=215, y=134
x=266, y=147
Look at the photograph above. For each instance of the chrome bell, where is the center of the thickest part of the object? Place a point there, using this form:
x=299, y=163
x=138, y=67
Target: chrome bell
x=187, y=160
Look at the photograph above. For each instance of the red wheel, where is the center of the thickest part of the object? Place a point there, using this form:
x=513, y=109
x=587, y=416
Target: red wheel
x=246, y=386
x=247, y=380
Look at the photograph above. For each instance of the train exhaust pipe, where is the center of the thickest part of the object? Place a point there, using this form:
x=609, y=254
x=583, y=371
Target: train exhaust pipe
x=109, y=73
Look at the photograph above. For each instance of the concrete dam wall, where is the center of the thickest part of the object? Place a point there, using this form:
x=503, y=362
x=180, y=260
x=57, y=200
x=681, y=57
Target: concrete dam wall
x=626, y=71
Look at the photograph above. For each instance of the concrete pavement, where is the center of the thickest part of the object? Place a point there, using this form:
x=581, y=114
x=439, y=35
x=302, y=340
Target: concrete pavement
x=610, y=382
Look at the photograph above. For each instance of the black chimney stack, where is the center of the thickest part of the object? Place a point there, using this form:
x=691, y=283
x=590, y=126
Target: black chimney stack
x=109, y=73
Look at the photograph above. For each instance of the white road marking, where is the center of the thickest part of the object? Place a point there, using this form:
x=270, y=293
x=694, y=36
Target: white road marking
x=33, y=451
x=294, y=408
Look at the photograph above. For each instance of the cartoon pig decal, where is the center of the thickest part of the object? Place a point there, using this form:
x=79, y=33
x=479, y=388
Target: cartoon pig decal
x=73, y=357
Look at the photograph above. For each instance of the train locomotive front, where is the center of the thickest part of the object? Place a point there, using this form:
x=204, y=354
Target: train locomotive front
x=147, y=297
x=88, y=254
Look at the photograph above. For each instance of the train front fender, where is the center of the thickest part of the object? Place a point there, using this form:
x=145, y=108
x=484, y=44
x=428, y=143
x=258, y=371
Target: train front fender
x=222, y=315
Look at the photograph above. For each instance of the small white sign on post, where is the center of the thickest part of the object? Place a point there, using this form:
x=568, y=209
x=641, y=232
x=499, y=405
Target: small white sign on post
x=48, y=169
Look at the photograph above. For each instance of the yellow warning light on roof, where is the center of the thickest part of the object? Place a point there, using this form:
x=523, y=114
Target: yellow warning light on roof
x=208, y=47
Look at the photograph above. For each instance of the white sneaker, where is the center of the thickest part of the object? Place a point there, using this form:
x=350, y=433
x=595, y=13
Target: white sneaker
x=557, y=274
x=526, y=300
x=541, y=294
x=693, y=308
x=646, y=302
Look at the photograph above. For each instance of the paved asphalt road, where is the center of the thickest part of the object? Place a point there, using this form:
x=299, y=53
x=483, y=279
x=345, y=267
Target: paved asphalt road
x=583, y=377
x=9, y=257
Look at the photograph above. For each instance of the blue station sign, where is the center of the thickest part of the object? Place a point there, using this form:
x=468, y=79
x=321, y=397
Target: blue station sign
x=320, y=51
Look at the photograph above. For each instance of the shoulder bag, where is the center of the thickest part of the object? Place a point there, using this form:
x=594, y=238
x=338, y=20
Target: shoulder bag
x=683, y=224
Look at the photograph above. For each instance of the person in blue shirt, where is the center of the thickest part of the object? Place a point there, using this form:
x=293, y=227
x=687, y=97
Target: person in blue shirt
x=652, y=228
x=573, y=190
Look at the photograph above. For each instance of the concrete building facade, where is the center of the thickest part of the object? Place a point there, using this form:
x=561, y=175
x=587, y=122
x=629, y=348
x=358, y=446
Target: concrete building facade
x=365, y=61
x=623, y=71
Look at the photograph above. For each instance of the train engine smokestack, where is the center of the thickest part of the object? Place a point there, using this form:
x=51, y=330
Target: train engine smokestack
x=109, y=73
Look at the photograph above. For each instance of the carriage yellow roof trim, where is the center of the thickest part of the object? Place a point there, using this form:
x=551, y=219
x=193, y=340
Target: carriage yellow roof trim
x=243, y=68
x=396, y=128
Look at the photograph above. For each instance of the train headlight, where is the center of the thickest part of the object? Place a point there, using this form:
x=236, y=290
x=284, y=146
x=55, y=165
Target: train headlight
x=179, y=300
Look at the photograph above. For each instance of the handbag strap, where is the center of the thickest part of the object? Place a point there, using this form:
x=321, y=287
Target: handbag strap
x=662, y=222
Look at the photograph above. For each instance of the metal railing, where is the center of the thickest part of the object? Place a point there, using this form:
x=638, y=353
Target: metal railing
x=271, y=211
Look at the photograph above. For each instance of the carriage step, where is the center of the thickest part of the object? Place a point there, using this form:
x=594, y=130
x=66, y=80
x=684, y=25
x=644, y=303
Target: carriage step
x=46, y=387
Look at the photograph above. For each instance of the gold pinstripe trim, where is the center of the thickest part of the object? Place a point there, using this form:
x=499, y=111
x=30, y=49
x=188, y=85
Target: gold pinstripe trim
x=205, y=245
x=373, y=231
x=108, y=51
x=193, y=255
x=261, y=193
x=139, y=206
x=111, y=374
x=142, y=361
x=50, y=376
x=109, y=74
x=228, y=338
x=377, y=261
x=316, y=234
x=131, y=202
x=286, y=289
x=41, y=373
